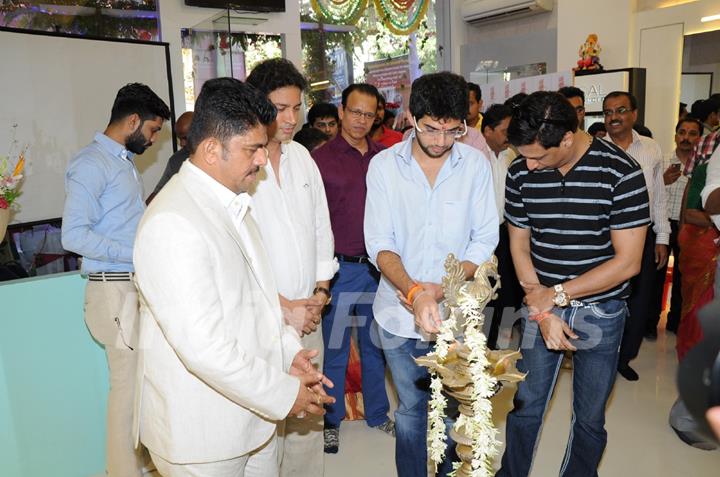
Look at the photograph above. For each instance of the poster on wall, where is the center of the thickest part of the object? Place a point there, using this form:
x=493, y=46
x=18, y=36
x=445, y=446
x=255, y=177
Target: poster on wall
x=392, y=78
x=500, y=91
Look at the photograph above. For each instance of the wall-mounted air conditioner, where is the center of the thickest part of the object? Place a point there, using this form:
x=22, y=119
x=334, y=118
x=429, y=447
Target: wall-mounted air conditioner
x=486, y=11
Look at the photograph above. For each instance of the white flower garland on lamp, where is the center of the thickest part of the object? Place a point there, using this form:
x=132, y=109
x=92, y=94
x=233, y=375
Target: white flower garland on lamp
x=479, y=428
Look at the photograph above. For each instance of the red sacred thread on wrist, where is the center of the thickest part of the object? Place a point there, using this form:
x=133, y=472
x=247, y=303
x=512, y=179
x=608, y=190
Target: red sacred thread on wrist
x=539, y=317
x=413, y=290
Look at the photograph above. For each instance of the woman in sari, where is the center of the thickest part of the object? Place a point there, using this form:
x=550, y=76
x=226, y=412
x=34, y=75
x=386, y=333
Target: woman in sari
x=699, y=251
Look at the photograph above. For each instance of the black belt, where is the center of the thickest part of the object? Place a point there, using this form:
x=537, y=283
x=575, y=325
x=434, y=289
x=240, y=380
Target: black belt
x=352, y=259
x=110, y=276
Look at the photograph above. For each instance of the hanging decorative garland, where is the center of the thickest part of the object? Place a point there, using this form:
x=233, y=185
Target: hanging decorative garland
x=402, y=17
x=339, y=12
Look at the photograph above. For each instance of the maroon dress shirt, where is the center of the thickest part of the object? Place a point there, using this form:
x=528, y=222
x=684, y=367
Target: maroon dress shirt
x=343, y=171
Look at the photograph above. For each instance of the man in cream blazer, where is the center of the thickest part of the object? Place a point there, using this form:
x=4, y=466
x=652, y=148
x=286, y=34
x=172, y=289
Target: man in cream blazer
x=218, y=367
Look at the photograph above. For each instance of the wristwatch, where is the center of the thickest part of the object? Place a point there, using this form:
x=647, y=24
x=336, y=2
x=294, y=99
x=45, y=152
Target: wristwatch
x=561, y=298
x=324, y=291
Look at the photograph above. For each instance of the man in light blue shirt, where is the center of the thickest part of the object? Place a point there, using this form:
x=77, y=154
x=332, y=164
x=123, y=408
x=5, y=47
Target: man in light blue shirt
x=103, y=206
x=427, y=196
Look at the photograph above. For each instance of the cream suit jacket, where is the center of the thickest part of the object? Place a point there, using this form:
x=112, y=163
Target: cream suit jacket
x=213, y=347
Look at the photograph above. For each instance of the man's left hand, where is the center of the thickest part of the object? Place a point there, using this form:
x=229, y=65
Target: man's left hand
x=302, y=364
x=538, y=298
x=661, y=255
x=315, y=305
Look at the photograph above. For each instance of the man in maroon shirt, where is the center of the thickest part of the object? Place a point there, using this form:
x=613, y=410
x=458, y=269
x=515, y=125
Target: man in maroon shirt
x=343, y=164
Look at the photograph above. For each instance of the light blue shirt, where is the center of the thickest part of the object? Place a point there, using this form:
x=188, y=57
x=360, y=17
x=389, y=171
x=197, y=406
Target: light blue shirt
x=423, y=224
x=103, y=206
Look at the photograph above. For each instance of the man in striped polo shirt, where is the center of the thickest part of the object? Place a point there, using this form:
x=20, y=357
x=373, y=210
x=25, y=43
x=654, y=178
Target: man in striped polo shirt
x=577, y=212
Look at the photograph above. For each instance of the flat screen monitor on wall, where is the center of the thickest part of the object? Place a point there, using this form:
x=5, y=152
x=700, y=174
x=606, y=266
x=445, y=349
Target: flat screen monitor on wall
x=246, y=5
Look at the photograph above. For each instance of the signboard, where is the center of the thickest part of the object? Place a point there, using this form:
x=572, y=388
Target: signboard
x=392, y=78
x=598, y=85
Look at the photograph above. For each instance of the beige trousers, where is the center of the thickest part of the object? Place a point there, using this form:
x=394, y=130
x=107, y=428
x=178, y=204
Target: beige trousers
x=262, y=462
x=301, y=440
x=111, y=315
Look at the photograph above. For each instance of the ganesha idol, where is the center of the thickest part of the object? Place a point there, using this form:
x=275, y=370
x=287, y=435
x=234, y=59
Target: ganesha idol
x=589, y=55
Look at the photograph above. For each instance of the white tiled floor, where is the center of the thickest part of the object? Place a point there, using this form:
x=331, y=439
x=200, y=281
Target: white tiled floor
x=640, y=442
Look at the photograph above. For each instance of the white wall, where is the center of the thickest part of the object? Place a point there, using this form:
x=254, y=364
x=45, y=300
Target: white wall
x=175, y=15
x=661, y=55
x=658, y=48
x=611, y=20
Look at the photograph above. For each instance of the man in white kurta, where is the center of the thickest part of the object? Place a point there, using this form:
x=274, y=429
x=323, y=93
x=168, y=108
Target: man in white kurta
x=291, y=210
x=218, y=367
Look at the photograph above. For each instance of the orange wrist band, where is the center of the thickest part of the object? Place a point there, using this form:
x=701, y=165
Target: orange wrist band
x=411, y=293
x=539, y=317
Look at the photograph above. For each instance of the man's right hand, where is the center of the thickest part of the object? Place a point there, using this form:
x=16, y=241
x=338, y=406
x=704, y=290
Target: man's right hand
x=310, y=398
x=555, y=332
x=671, y=174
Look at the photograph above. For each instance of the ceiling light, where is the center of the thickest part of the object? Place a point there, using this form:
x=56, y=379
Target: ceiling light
x=710, y=18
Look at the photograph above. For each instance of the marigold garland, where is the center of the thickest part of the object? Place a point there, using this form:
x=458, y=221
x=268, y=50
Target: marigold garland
x=397, y=16
x=401, y=17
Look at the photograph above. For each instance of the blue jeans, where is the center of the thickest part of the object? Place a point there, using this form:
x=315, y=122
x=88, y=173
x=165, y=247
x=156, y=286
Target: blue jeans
x=600, y=329
x=353, y=292
x=413, y=387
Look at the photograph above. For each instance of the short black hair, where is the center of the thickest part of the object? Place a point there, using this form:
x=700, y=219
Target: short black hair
x=543, y=117
x=515, y=100
x=475, y=88
x=310, y=137
x=322, y=110
x=227, y=107
x=643, y=130
x=572, y=92
x=689, y=119
x=494, y=115
x=441, y=95
x=595, y=127
x=619, y=94
x=702, y=108
x=276, y=73
x=381, y=99
x=364, y=88
x=137, y=98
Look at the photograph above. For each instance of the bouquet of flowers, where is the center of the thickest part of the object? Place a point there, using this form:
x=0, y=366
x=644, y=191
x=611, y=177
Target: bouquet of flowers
x=10, y=178
x=11, y=169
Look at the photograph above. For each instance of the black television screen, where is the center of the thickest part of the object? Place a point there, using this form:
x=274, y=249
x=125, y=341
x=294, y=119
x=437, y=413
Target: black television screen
x=245, y=5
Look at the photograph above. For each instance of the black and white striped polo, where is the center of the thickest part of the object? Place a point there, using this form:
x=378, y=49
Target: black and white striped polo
x=571, y=216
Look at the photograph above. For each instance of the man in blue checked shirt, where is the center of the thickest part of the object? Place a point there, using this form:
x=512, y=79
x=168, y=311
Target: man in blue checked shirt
x=103, y=206
x=427, y=196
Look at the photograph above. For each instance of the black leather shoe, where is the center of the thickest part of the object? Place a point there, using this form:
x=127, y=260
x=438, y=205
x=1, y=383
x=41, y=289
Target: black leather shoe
x=651, y=335
x=627, y=372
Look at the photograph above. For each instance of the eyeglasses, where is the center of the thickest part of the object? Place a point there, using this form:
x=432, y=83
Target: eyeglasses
x=357, y=114
x=455, y=133
x=620, y=111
